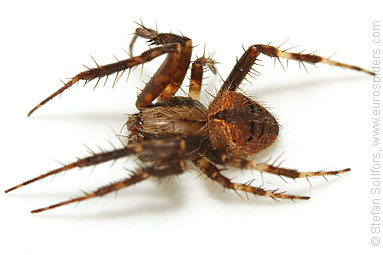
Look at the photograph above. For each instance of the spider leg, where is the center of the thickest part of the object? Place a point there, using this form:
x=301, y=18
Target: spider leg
x=171, y=74
x=245, y=63
x=180, y=72
x=155, y=38
x=164, y=168
x=272, y=51
x=152, y=150
x=197, y=73
x=208, y=168
x=221, y=157
x=136, y=177
x=106, y=70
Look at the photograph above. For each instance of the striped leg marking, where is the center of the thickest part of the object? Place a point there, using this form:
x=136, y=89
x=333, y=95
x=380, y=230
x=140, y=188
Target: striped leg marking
x=244, y=65
x=223, y=158
x=272, y=51
x=208, y=168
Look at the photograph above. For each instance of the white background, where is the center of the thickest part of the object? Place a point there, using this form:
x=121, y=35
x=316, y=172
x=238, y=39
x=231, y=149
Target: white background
x=324, y=114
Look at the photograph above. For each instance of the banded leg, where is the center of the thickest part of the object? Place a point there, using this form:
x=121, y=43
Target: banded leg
x=245, y=63
x=106, y=70
x=223, y=158
x=165, y=168
x=208, y=168
x=169, y=77
x=152, y=150
x=156, y=38
x=197, y=73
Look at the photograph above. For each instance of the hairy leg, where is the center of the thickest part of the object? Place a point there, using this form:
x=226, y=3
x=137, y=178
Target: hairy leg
x=152, y=150
x=221, y=157
x=106, y=70
x=209, y=169
x=171, y=74
x=160, y=169
x=245, y=63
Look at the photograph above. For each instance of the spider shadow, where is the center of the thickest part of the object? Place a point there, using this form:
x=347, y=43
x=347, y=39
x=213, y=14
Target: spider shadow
x=85, y=117
x=106, y=124
x=304, y=85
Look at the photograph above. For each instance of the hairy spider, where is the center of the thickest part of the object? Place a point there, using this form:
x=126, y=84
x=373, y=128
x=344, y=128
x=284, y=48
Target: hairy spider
x=166, y=133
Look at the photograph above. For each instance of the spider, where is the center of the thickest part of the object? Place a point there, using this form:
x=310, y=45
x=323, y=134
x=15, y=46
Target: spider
x=169, y=130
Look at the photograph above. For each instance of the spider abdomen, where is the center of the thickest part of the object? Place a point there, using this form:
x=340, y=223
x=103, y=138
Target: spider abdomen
x=239, y=125
x=175, y=116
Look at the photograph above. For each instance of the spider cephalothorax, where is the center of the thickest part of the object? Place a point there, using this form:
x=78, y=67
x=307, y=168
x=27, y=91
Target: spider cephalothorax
x=166, y=133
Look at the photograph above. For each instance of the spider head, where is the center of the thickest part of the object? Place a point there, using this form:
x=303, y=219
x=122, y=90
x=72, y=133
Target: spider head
x=239, y=125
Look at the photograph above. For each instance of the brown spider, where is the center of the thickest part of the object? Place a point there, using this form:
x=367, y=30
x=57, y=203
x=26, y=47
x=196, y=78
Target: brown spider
x=174, y=129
